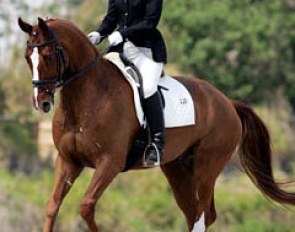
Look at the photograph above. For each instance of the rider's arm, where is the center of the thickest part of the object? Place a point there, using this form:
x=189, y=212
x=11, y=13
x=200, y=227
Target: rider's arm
x=110, y=21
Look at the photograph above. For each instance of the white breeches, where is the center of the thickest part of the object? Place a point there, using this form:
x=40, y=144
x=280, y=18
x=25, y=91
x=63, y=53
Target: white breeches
x=149, y=69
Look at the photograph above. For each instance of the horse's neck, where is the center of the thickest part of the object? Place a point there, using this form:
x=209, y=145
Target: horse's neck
x=87, y=93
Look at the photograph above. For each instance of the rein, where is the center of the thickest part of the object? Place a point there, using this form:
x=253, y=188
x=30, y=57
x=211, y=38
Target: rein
x=57, y=80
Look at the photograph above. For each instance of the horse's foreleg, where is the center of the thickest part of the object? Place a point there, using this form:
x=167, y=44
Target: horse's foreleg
x=104, y=173
x=65, y=175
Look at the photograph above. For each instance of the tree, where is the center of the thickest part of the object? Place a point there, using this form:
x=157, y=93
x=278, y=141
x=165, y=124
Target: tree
x=90, y=13
x=18, y=150
x=243, y=47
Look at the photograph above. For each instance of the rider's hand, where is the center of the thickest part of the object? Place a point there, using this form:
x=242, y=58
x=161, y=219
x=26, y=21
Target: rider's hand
x=94, y=37
x=115, y=38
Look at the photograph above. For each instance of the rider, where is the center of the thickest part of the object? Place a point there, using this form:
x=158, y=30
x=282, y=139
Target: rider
x=137, y=36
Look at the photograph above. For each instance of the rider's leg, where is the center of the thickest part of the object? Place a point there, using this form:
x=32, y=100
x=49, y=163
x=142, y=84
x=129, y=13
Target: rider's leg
x=151, y=72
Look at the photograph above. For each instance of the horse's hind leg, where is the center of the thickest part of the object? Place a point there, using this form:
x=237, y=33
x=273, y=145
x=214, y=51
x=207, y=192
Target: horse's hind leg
x=209, y=160
x=181, y=179
x=65, y=175
x=193, y=185
x=210, y=212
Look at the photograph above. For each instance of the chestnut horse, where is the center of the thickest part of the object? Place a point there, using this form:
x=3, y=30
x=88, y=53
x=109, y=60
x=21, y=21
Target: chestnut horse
x=95, y=124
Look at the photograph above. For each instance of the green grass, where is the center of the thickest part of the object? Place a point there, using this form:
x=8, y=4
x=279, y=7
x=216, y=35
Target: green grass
x=142, y=201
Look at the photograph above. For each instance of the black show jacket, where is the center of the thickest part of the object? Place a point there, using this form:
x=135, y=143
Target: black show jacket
x=137, y=21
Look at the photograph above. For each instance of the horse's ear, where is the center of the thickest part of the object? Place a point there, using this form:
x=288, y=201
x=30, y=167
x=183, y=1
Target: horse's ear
x=43, y=26
x=25, y=26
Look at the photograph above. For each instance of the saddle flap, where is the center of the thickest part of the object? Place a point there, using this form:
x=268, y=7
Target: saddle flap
x=179, y=106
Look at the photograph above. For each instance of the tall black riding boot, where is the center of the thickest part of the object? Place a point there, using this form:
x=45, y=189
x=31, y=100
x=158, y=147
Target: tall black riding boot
x=154, y=115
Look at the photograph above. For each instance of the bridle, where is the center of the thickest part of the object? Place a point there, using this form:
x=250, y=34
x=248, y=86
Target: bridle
x=57, y=81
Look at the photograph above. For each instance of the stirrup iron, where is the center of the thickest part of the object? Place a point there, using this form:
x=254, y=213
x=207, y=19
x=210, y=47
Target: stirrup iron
x=150, y=163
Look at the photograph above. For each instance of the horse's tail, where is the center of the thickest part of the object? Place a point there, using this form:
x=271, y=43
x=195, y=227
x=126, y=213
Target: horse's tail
x=255, y=155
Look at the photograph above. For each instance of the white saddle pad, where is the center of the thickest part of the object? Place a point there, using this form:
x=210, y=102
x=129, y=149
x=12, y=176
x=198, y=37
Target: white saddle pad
x=179, y=106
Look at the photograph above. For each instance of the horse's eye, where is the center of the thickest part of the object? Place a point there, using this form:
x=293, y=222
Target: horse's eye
x=48, y=58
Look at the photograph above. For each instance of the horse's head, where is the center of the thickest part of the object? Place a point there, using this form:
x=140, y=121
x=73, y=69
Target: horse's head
x=56, y=51
x=46, y=60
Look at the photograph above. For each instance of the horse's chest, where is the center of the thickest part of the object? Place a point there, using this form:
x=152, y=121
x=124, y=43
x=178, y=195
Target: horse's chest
x=76, y=146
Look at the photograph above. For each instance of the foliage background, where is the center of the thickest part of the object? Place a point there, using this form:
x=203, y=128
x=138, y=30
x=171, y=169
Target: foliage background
x=246, y=48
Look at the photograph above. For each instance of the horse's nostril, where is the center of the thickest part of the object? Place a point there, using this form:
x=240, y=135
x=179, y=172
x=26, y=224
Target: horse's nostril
x=46, y=106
